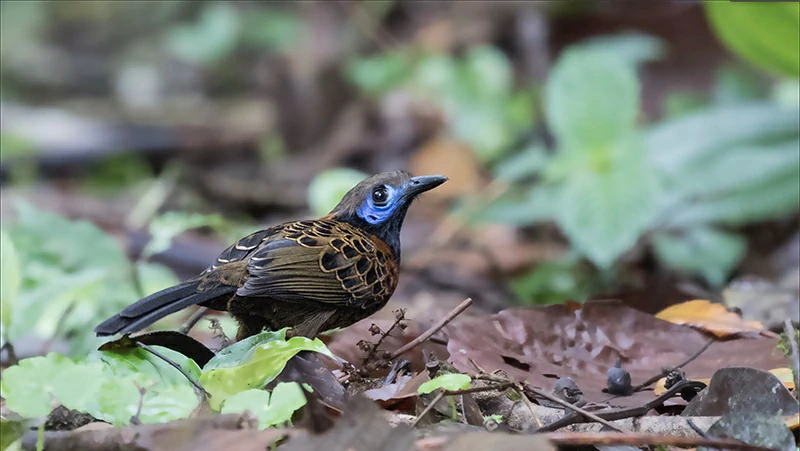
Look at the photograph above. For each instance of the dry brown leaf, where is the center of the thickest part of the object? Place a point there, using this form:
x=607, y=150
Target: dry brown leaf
x=711, y=317
x=792, y=421
x=457, y=160
x=583, y=341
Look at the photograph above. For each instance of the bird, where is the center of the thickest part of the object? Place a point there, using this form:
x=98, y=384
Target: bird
x=309, y=275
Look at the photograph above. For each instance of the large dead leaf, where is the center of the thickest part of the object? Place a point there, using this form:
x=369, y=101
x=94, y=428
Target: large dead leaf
x=711, y=317
x=584, y=341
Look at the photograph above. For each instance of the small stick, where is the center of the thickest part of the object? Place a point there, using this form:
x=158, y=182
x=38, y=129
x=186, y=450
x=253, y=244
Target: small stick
x=400, y=316
x=655, y=378
x=174, y=365
x=637, y=439
x=428, y=408
x=465, y=391
x=573, y=407
x=194, y=319
x=795, y=353
x=435, y=328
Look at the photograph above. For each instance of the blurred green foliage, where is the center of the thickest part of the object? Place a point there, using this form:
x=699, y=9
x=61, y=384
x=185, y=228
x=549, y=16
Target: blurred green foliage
x=72, y=274
x=476, y=93
x=329, y=186
x=764, y=34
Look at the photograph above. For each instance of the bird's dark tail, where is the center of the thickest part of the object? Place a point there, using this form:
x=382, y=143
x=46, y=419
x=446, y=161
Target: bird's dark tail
x=158, y=305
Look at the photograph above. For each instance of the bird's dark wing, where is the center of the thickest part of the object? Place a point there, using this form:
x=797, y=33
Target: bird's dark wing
x=322, y=261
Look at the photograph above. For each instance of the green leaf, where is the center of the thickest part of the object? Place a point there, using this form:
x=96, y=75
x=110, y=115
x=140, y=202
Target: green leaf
x=738, y=169
x=529, y=162
x=449, y=382
x=212, y=38
x=252, y=363
x=765, y=34
x=165, y=227
x=286, y=399
x=87, y=274
x=272, y=28
x=11, y=431
x=126, y=362
x=34, y=386
x=604, y=212
x=536, y=205
x=672, y=146
x=329, y=186
x=10, y=278
x=633, y=48
x=488, y=72
x=118, y=400
x=708, y=252
x=380, y=73
x=773, y=198
x=591, y=100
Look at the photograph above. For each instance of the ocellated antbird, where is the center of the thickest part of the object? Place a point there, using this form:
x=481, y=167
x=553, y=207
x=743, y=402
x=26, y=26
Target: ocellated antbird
x=312, y=275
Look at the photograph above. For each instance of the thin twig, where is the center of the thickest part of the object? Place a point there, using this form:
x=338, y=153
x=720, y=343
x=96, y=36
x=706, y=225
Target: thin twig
x=529, y=404
x=465, y=391
x=428, y=408
x=654, y=379
x=194, y=319
x=621, y=414
x=696, y=428
x=637, y=439
x=400, y=316
x=572, y=407
x=795, y=353
x=174, y=365
x=435, y=328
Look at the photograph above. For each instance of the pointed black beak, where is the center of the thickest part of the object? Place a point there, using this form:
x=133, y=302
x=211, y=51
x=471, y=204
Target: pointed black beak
x=424, y=183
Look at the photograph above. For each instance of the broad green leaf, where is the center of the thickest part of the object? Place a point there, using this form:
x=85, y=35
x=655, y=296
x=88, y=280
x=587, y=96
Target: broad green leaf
x=538, y=204
x=488, y=72
x=765, y=34
x=484, y=129
x=252, y=363
x=329, y=186
x=604, y=212
x=10, y=278
x=672, y=146
x=529, y=162
x=271, y=410
x=633, y=48
x=165, y=227
x=738, y=169
x=272, y=28
x=37, y=384
x=103, y=385
x=708, y=252
x=591, y=100
x=770, y=199
x=381, y=73
x=11, y=431
x=125, y=362
x=449, y=382
x=118, y=400
x=211, y=38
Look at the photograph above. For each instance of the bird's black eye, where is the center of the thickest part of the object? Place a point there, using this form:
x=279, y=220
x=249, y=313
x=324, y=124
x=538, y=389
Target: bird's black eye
x=380, y=196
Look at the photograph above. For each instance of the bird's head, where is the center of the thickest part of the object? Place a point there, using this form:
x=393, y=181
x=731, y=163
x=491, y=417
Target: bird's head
x=378, y=204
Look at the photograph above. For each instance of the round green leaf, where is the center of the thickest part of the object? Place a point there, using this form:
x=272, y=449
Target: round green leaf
x=766, y=34
x=252, y=363
x=9, y=278
x=449, y=382
x=591, y=99
x=286, y=398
